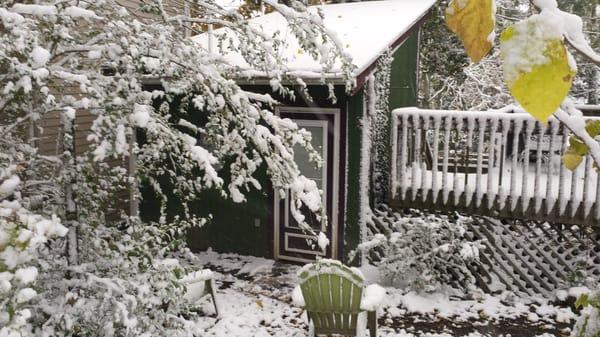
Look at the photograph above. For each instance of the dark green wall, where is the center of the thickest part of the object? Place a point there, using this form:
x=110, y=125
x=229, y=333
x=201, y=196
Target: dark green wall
x=403, y=92
x=242, y=228
x=403, y=89
x=352, y=229
x=247, y=228
x=235, y=227
x=403, y=86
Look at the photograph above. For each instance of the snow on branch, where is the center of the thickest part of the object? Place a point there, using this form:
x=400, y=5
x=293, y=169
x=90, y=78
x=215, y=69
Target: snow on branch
x=570, y=26
x=105, y=75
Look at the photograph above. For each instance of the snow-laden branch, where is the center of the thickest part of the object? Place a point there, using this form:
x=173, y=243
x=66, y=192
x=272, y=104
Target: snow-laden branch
x=571, y=27
x=586, y=51
x=572, y=118
x=53, y=56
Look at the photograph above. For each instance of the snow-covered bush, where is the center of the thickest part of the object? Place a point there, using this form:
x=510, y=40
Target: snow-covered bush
x=132, y=287
x=22, y=233
x=423, y=251
x=588, y=323
x=113, y=275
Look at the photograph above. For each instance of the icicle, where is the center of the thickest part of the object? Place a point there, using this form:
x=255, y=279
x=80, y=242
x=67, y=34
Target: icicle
x=395, y=170
x=469, y=190
x=575, y=199
x=502, y=190
x=403, y=157
x=562, y=198
x=550, y=188
x=425, y=181
x=435, y=186
x=479, y=190
x=415, y=175
x=537, y=189
x=514, y=196
x=445, y=187
x=491, y=193
x=455, y=184
x=525, y=192
x=588, y=200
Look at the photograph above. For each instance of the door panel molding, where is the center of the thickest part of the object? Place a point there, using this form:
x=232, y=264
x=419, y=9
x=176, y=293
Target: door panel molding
x=324, y=181
x=331, y=170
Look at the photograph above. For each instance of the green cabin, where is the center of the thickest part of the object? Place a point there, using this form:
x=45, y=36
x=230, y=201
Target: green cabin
x=371, y=32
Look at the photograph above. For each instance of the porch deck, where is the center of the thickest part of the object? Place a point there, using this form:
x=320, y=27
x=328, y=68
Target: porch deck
x=504, y=164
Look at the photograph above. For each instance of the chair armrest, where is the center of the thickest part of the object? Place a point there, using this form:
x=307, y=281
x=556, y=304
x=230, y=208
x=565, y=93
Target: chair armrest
x=372, y=297
x=198, y=284
x=297, y=297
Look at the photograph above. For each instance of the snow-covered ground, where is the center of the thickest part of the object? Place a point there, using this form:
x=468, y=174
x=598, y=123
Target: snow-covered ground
x=254, y=295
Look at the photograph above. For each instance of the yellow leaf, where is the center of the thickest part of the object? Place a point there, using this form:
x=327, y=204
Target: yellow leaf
x=473, y=21
x=593, y=127
x=577, y=146
x=572, y=160
x=536, y=68
x=259, y=303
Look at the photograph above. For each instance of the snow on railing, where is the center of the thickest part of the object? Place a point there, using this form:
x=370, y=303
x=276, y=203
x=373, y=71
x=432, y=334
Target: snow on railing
x=502, y=163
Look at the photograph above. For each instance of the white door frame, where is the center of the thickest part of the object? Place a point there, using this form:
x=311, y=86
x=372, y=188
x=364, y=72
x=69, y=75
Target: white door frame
x=334, y=216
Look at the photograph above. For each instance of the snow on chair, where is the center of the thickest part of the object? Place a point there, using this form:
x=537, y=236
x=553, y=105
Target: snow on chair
x=200, y=284
x=336, y=300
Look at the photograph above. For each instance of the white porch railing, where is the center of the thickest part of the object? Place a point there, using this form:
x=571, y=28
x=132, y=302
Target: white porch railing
x=501, y=163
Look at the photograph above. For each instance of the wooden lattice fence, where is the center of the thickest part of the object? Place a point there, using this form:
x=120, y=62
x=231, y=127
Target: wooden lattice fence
x=537, y=257
x=530, y=257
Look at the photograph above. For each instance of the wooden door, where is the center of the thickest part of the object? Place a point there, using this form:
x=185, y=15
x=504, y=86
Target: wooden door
x=291, y=242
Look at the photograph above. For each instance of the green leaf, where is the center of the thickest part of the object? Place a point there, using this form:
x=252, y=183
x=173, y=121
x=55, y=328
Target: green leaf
x=593, y=127
x=572, y=160
x=577, y=146
x=582, y=301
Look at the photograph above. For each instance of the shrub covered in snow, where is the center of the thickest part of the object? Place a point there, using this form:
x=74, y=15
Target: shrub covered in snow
x=61, y=59
x=423, y=251
x=130, y=286
x=588, y=323
x=22, y=233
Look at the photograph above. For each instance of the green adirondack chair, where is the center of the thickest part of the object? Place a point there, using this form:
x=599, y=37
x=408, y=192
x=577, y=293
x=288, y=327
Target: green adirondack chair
x=336, y=300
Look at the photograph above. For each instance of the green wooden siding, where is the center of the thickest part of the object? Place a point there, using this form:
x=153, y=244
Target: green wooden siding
x=247, y=228
x=403, y=86
x=243, y=228
x=403, y=92
x=352, y=229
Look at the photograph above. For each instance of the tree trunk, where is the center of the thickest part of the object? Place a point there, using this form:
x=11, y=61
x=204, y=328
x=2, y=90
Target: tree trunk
x=592, y=85
x=70, y=175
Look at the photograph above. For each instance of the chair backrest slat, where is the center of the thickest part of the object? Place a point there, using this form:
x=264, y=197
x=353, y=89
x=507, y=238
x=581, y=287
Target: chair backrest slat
x=346, y=301
x=336, y=299
x=332, y=294
x=356, y=297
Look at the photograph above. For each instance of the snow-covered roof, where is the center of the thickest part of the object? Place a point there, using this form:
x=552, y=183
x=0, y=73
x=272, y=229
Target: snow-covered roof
x=366, y=29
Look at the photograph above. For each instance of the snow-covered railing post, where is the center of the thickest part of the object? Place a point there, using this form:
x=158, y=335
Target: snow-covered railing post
x=496, y=162
x=395, y=164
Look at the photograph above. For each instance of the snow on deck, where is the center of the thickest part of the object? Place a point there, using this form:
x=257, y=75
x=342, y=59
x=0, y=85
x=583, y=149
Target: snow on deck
x=366, y=30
